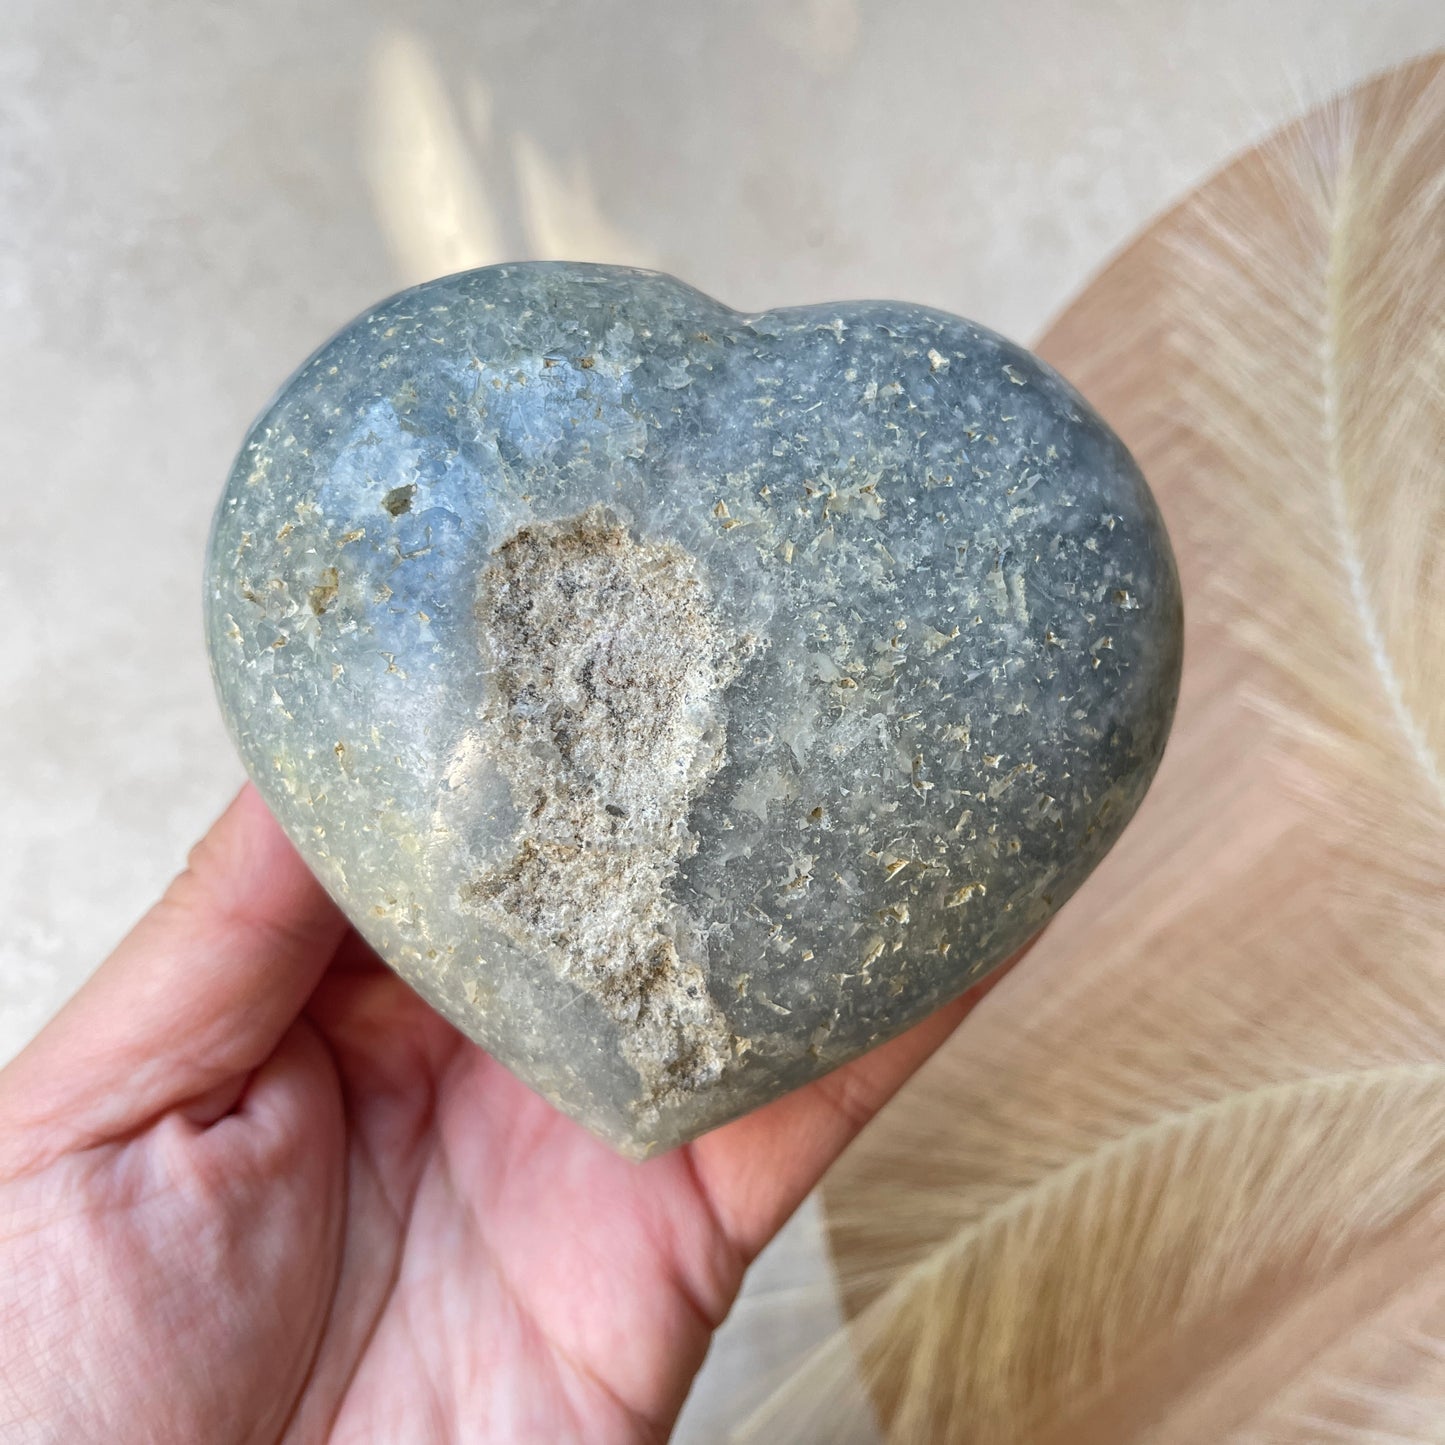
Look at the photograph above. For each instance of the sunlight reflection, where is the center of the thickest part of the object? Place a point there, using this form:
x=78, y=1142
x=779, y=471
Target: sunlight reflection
x=439, y=210
x=432, y=201
x=563, y=215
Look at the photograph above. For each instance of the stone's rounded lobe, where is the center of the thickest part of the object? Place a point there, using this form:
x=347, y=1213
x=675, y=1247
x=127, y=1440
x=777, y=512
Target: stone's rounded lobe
x=685, y=701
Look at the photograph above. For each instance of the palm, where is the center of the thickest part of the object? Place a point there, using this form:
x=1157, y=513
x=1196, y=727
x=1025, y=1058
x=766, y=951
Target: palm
x=310, y=1210
x=502, y=1274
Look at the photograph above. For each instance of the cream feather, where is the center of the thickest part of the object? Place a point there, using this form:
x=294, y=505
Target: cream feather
x=1182, y=1177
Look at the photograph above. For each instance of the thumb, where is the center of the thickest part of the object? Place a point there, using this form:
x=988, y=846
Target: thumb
x=194, y=999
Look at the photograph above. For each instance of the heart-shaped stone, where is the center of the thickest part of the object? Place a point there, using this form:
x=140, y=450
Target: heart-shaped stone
x=684, y=701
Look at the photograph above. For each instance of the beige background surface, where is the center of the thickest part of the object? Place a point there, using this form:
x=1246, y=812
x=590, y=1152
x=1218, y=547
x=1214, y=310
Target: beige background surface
x=192, y=197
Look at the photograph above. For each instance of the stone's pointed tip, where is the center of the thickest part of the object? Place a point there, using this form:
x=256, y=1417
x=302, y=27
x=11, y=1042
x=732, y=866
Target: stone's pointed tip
x=687, y=702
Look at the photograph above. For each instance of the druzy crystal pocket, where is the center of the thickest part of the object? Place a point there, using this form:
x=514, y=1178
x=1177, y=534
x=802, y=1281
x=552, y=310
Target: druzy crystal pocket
x=686, y=701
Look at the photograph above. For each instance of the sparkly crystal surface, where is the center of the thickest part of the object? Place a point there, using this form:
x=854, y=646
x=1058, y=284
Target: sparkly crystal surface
x=686, y=701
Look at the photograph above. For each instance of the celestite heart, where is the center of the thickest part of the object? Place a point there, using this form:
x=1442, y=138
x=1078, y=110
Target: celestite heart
x=683, y=701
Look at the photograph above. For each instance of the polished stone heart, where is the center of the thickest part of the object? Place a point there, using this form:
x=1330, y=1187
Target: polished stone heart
x=684, y=701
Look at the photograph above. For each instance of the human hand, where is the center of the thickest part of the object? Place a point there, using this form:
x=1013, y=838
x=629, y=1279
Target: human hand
x=252, y=1189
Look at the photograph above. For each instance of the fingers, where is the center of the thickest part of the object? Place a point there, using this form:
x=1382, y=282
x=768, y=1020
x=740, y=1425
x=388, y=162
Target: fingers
x=194, y=999
x=758, y=1169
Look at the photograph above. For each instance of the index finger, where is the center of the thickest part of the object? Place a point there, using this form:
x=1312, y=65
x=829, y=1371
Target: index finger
x=758, y=1169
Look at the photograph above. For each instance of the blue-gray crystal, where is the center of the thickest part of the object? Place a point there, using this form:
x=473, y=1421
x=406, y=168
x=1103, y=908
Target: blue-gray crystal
x=686, y=701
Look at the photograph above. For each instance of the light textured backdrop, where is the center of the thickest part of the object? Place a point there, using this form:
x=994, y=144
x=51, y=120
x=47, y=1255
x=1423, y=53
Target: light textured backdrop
x=192, y=197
